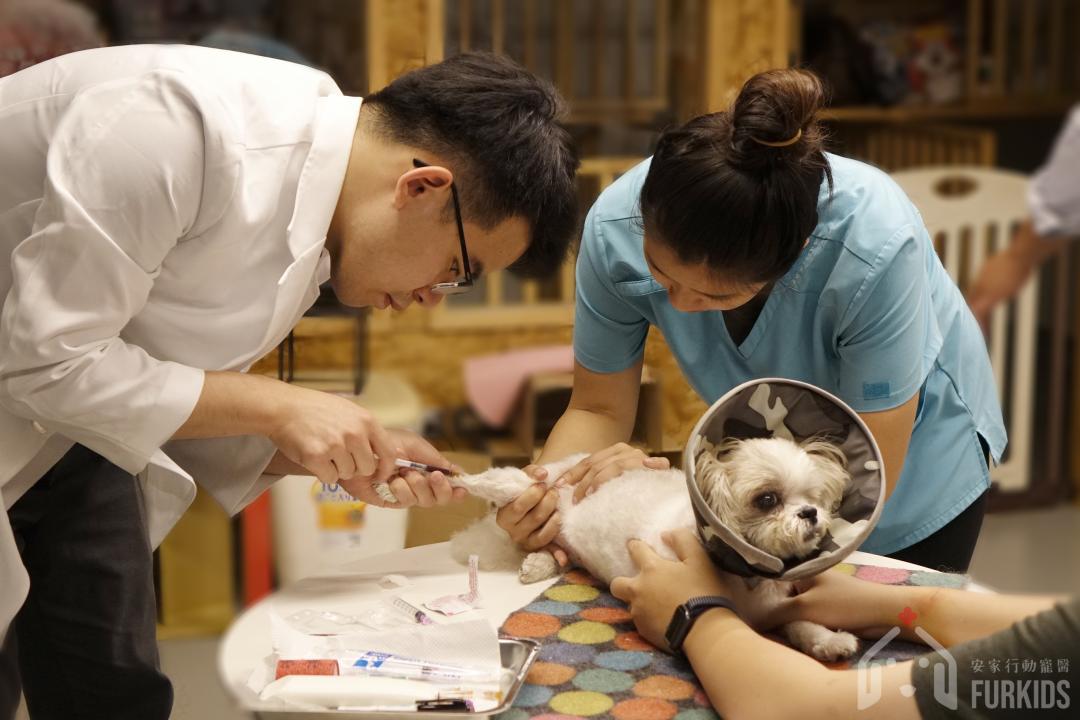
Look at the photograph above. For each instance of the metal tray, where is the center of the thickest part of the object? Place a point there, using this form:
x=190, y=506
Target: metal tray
x=518, y=655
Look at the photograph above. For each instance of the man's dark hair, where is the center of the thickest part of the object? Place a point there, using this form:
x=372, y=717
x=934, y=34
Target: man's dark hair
x=738, y=190
x=498, y=125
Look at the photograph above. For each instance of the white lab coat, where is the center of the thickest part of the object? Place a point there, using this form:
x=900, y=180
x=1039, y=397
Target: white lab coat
x=163, y=211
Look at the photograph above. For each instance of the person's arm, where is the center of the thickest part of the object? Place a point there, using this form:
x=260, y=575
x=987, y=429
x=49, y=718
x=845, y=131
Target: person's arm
x=123, y=182
x=598, y=420
x=609, y=343
x=318, y=434
x=1053, y=197
x=1003, y=275
x=892, y=431
x=745, y=674
x=835, y=599
x=601, y=412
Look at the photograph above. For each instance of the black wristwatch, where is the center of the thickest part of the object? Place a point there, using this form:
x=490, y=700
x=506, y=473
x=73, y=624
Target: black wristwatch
x=686, y=614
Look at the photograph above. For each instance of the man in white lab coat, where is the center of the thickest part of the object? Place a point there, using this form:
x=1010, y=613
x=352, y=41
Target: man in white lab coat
x=167, y=215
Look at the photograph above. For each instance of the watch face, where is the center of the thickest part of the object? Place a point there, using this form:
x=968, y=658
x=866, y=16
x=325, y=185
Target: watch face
x=677, y=629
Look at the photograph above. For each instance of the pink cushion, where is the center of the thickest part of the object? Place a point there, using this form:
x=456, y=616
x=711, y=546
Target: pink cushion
x=493, y=383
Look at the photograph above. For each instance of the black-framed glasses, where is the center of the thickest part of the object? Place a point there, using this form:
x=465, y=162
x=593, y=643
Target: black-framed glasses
x=457, y=287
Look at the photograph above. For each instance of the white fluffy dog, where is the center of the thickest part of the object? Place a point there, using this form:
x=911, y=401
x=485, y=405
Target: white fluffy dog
x=779, y=495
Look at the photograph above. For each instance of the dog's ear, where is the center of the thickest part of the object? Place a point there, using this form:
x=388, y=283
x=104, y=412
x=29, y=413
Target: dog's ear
x=831, y=463
x=725, y=447
x=712, y=480
x=825, y=450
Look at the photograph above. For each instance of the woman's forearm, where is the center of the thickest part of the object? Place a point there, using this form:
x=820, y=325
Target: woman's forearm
x=956, y=616
x=580, y=430
x=746, y=675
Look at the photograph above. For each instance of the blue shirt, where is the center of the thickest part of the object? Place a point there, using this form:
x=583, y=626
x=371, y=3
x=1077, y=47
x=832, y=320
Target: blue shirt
x=867, y=312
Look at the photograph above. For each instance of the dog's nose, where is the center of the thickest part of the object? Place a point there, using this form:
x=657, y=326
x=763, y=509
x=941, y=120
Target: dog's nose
x=809, y=513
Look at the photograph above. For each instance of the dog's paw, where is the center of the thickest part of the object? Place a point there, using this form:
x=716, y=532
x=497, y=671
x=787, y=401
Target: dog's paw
x=538, y=566
x=834, y=646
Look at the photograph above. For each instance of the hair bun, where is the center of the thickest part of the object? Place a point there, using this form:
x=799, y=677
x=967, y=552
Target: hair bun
x=774, y=118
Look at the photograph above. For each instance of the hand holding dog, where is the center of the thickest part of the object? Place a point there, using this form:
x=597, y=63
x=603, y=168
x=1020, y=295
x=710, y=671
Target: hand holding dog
x=662, y=585
x=531, y=520
x=595, y=470
x=838, y=600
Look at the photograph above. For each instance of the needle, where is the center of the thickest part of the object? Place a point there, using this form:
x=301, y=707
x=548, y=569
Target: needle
x=421, y=466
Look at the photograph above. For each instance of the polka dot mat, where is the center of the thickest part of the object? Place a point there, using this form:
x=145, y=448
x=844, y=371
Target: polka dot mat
x=592, y=664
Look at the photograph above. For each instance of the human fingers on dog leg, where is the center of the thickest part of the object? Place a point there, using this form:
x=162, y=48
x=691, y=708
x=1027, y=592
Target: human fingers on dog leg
x=536, y=472
x=543, y=537
x=574, y=475
x=440, y=488
x=444, y=492
x=509, y=516
x=420, y=485
x=559, y=554
x=581, y=489
x=539, y=517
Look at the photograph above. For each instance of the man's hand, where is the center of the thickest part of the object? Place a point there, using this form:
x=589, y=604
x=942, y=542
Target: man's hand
x=662, y=585
x=332, y=437
x=1000, y=279
x=412, y=487
x=595, y=470
x=1004, y=275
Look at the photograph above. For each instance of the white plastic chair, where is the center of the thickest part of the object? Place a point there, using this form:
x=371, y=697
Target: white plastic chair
x=971, y=212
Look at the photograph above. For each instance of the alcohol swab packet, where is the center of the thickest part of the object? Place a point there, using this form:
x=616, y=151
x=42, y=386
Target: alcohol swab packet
x=457, y=604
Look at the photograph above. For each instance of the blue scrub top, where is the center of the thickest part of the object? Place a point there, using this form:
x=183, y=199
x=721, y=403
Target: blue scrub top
x=867, y=312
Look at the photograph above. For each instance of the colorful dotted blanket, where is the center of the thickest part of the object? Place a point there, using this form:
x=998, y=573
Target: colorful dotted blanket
x=593, y=663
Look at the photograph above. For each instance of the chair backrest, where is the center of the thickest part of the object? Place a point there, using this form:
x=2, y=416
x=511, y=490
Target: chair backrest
x=971, y=213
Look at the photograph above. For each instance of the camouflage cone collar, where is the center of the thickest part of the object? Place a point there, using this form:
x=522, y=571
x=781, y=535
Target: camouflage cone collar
x=775, y=407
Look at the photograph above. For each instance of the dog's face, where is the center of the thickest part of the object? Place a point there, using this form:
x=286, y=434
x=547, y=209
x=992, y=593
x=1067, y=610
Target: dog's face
x=779, y=495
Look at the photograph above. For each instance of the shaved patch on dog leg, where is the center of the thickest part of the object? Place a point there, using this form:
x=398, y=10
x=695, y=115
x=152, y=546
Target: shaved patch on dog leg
x=538, y=566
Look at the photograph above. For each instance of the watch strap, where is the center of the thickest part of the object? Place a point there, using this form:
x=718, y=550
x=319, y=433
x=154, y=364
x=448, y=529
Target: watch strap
x=684, y=617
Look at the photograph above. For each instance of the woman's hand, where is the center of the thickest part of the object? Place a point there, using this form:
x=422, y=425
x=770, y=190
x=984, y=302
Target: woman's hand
x=531, y=519
x=662, y=585
x=595, y=470
x=840, y=601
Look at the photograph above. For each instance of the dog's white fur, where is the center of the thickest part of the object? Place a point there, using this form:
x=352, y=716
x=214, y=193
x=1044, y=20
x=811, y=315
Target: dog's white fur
x=807, y=480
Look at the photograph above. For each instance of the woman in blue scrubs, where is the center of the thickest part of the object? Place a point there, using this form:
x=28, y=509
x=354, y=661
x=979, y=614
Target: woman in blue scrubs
x=757, y=254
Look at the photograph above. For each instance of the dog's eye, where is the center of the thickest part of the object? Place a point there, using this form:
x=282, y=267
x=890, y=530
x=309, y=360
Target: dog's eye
x=766, y=501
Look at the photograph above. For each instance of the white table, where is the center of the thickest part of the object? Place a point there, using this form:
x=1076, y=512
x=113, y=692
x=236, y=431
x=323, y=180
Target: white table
x=431, y=571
